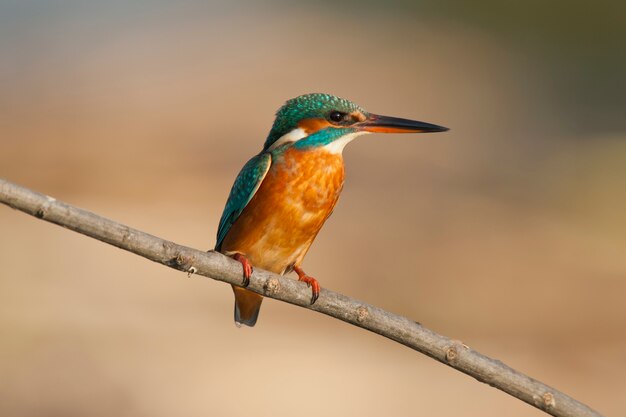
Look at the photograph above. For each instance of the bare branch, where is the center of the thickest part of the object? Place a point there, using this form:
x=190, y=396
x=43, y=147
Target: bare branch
x=214, y=265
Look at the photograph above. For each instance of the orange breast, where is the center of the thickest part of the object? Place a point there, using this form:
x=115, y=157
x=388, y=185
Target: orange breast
x=278, y=225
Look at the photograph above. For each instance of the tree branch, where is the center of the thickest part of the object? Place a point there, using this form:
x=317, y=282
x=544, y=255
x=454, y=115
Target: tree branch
x=221, y=268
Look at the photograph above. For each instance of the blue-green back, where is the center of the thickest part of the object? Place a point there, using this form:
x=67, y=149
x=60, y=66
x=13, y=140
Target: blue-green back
x=244, y=188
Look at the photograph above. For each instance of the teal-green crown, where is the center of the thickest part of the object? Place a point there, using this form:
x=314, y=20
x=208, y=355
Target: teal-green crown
x=315, y=105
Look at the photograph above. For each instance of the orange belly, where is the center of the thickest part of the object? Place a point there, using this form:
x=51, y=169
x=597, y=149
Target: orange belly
x=297, y=195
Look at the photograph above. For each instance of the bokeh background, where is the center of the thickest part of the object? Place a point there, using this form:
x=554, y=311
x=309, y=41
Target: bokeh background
x=508, y=232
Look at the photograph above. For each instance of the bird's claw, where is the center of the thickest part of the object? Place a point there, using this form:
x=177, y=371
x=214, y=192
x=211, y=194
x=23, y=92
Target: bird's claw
x=310, y=282
x=247, y=268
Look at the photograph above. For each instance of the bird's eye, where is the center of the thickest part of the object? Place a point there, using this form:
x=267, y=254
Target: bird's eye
x=336, y=116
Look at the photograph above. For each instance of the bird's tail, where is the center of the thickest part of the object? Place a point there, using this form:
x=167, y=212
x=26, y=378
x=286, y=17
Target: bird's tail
x=247, y=306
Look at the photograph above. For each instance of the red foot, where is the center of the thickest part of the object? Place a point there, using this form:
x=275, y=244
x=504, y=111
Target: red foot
x=247, y=268
x=310, y=282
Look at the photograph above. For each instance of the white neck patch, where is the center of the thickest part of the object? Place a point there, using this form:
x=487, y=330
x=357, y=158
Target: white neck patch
x=337, y=145
x=292, y=136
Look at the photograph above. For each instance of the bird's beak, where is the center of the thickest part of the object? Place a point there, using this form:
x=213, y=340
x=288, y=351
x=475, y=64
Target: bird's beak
x=385, y=124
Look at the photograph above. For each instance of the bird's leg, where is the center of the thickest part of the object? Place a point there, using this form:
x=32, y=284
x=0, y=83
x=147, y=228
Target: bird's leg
x=247, y=267
x=310, y=282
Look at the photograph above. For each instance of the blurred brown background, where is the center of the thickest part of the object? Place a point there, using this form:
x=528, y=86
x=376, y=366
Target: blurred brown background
x=508, y=233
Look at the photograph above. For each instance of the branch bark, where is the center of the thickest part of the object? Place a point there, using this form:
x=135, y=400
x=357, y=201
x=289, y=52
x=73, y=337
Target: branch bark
x=219, y=267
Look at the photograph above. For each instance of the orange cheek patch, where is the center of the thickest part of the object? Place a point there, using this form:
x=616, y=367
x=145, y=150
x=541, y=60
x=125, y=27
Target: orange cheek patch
x=313, y=125
x=358, y=116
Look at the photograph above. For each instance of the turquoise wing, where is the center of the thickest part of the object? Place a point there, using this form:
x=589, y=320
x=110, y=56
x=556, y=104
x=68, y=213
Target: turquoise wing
x=247, y=183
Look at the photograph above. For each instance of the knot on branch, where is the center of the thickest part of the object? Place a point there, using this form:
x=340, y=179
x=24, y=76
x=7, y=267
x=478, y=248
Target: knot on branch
x=43, y=209
x=182, y=262
x=451, y=353
x=546, y=401
x=180, y=259
x=271, y=286
x=362, y=313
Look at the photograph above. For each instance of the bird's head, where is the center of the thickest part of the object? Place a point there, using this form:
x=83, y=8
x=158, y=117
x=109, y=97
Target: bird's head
x=319, y=119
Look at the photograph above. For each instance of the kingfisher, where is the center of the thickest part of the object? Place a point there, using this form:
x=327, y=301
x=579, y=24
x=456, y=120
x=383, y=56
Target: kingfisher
x=282, y=196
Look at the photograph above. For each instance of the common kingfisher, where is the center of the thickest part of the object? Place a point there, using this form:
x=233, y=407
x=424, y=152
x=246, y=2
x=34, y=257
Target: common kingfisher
x=282, y=196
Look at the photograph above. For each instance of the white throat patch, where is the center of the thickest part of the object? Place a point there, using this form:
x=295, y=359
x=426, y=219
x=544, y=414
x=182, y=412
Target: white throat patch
x=337, y=145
